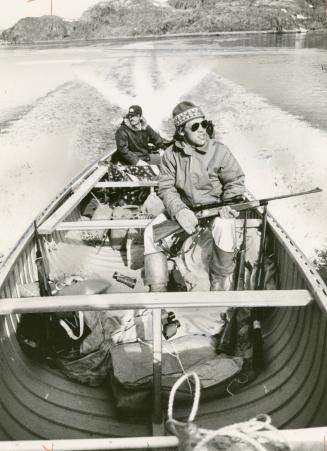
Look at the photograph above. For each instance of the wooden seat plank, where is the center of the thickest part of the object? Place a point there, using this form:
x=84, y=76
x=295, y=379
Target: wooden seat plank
x=126, y=301
x=126, y=224
x=104, y=224
x=128, y=184
x=67, y=207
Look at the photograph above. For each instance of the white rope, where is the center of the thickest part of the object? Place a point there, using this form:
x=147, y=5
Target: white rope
x=175, y=354
x=196, y=396
x=68, y=329
x=240, y=432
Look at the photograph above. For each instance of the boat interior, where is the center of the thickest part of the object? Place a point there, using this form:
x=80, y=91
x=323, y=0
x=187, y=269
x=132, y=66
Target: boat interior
x=39, y=402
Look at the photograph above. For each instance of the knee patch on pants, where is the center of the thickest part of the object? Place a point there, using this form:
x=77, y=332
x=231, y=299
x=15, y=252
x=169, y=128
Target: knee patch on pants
x=156, y=269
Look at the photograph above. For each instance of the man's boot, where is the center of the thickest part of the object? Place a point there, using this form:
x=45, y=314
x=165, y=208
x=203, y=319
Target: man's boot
x=221, y=269
x=156, y=271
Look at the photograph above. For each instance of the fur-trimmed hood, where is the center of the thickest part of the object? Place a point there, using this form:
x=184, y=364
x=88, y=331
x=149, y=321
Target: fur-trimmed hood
x=128, y=124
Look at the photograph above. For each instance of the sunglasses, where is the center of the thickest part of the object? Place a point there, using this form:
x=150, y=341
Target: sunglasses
x=194, y=127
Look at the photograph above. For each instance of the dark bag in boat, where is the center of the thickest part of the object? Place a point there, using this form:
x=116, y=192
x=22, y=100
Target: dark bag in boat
x=41, y=335
x=32, y=335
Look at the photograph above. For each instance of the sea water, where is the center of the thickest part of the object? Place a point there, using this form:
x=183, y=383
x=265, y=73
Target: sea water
x=266, y=94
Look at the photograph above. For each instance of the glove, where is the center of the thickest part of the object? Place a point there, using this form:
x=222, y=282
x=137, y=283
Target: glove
x=142, y=163
x=227, y=213
x=187, y=219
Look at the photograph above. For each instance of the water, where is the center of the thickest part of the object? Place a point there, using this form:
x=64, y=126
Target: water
x=59, y=107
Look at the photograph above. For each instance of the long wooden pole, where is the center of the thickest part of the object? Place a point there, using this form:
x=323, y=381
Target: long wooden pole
x=157, y=358
x=168, y=443
x=298, y=440
x=127, y=301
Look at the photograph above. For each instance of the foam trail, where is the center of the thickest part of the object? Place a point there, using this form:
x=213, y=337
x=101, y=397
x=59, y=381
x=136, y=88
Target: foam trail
x=142, y=82
x=108, y=88
x=157, y=102
x=279, y=154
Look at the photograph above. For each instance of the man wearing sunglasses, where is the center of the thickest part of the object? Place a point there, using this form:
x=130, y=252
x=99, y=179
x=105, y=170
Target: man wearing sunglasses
x=134, y=139
x=196, y=170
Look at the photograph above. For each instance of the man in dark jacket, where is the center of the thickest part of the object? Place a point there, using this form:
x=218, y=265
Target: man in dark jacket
x=133, y=138
x=196, y=170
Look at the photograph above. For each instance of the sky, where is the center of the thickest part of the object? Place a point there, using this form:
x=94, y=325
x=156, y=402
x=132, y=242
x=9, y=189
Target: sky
x=13, y=10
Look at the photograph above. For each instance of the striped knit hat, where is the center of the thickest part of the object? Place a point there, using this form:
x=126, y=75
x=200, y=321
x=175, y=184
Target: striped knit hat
x=185, y=111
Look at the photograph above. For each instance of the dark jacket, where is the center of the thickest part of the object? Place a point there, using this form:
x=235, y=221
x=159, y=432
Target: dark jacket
x=190, y=176
x=132, y=145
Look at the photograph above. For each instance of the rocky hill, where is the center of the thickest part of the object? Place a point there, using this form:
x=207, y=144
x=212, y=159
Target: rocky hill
x=116, y=18
x=31, y=29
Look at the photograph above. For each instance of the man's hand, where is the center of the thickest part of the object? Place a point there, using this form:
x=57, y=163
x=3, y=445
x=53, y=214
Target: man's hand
x=227, y=213
x=187, y=220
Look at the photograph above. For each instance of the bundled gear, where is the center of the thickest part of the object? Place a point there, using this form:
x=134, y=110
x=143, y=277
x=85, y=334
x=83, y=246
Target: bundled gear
x=247, y=436
x=131, y=173
x=43, y=336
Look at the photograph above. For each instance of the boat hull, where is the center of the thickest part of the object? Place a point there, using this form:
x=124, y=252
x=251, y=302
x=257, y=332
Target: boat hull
x=37, y=402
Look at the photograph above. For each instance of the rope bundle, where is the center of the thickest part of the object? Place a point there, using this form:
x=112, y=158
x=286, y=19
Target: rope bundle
x=246, y=436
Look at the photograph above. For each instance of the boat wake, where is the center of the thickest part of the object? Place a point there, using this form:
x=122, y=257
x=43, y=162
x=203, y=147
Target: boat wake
x=75, y=122
x=45, y=148
x=154, y=83
x=280, y=153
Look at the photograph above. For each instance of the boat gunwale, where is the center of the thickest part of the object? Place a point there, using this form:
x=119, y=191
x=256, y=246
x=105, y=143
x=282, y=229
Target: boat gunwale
x=310, y=276
x=11, y=259
x=294, y=438
x=315, y=283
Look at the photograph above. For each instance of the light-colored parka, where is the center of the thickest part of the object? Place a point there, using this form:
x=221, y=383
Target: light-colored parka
x=191, y=176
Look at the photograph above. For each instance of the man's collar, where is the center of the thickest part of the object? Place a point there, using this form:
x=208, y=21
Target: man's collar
x=141, y=125
x=188, y=149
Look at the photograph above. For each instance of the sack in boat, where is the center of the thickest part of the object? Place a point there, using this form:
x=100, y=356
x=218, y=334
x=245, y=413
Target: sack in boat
x=102, y=211
x=132, y=368
x=43, y=335
x=118, y=236
x=153, y=205
x=88, y=286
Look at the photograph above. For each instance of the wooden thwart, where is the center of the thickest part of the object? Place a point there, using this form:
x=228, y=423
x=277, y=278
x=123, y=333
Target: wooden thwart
x=105, y=224
x=50, y=224
x=126, y=301
x=128, y=184
x=311, y=439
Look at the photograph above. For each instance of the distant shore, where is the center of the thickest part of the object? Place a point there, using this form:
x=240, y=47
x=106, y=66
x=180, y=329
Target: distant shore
x=168, y=36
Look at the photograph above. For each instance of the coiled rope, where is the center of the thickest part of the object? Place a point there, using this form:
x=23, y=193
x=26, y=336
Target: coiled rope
x=247, y=433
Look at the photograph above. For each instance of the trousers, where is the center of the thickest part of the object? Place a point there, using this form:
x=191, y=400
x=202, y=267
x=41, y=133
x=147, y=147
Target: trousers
x=213, y=252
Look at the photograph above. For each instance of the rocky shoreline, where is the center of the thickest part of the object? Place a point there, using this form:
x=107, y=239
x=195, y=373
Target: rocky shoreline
x=166, y=36
x=143, y=19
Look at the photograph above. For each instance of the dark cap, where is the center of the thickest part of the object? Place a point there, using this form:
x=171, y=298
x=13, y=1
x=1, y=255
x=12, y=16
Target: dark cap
x=134, y=110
